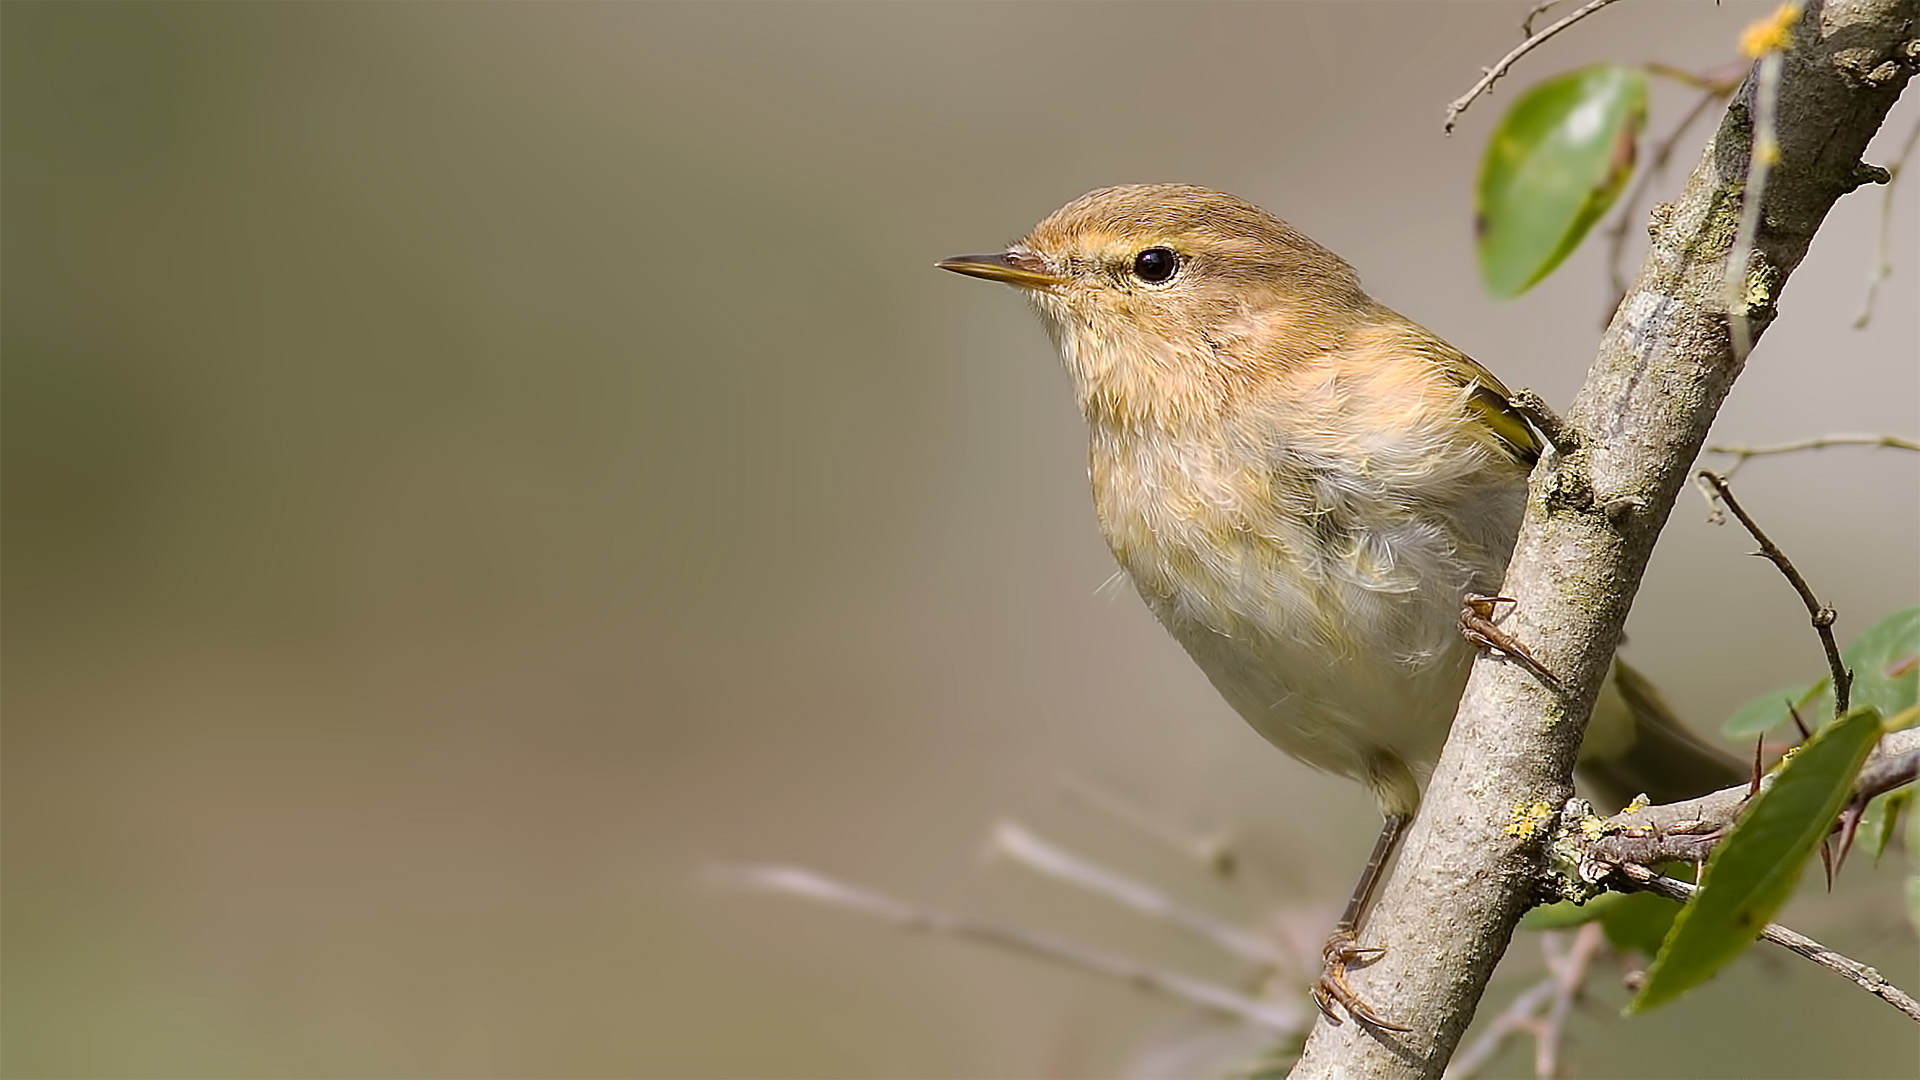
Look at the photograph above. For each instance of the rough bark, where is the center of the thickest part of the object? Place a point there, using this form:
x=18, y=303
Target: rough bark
x=1667, y=361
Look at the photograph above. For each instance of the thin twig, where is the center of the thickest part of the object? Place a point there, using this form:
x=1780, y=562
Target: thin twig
x=1883, y=260
x=1860, y=974
x=1764, y=151
x=1535, y=410
x=1821, y=615
x=1215, y=852
x=1028, y=850
x=1895, y=762
x=1540, y=1010
x=1523, y=1014
x=1493, y=73
x=1687, y=831
x=1526, y=24
x=1741, y=454
x=1662, y=154
x=1570, y=976
x=804, y=883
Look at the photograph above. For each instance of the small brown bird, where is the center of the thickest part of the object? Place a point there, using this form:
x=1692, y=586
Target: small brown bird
x=1313, y=494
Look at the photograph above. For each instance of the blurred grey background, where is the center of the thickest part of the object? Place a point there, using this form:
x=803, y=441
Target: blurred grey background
x=470, y=468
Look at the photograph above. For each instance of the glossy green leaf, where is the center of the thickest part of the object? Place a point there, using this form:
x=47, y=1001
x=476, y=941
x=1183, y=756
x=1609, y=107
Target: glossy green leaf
x=1558, y=160
x=1753, y=870
x=1885, y=661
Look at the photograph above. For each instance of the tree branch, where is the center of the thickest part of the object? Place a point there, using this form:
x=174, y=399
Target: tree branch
x=1820, y=615
x=1533, y=41
x=1686, y=831
x=1468, y=869
x=1859, y=974
x=1283, y=1019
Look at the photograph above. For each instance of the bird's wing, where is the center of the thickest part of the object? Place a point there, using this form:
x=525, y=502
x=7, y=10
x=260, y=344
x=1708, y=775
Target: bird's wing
x=1488, y=398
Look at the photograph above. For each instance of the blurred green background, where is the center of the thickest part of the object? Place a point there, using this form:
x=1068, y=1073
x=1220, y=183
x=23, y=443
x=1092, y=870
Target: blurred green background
x=470, y=468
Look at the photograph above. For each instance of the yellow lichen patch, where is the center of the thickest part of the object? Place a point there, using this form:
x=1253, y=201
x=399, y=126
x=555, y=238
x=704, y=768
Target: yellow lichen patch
x=1526, y=820
x=1771, y=34
x=1593, y=828
x=1640, y=802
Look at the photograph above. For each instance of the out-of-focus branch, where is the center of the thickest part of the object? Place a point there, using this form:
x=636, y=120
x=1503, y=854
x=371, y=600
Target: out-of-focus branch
x=1022, y=846
x=797, y=881
x=1742, y=454
x=1882, y=261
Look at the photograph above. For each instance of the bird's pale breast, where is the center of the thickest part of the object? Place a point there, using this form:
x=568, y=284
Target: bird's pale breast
x=1317, y=583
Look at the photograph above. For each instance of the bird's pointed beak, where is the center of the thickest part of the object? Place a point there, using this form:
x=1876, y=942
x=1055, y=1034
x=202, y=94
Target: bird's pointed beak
x=1015, y=267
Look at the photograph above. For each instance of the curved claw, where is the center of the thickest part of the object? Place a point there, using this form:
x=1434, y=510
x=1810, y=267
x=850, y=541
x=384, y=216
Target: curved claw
x=1478, y=627
x=1341, y=950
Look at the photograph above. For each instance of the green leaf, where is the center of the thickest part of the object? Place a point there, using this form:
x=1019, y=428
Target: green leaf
x=1882, y=820
x=1886, y=663
x=1564, y=914
x=1632, y=921
x=1913, y=879
x=1753, y=870
x=1766, y=712
x=1558, y=160
x=1641, y=923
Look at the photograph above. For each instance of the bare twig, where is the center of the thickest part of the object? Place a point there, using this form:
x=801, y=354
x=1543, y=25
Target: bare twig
x=1883, y=261
x=1821, y=615
x=1686, y=831
x=1739, y=292
x=1540, y=1010
x=801, y=882
x=1672, y=832
x=1026, y=849
x=1548, y=423
x=1521, y=1015
x=1539, y=9
x=1894, y=763
x=1741, y=454
x=1213, y=851
x=1662, y=154
x=1493, y=73
x=1860, y=974
x=1570, y=975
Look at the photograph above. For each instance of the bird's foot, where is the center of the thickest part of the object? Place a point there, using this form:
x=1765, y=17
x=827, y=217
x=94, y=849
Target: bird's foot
x=1341, y=950
x=1477, y=626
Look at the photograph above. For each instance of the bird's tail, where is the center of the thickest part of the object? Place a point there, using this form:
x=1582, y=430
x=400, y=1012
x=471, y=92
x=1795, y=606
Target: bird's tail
x=1635, y=745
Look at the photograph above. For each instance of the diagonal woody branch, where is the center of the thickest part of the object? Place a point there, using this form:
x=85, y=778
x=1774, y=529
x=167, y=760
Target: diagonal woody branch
x=1664, y=366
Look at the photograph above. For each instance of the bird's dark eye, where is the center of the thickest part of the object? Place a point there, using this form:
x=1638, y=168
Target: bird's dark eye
x=1155, y=265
